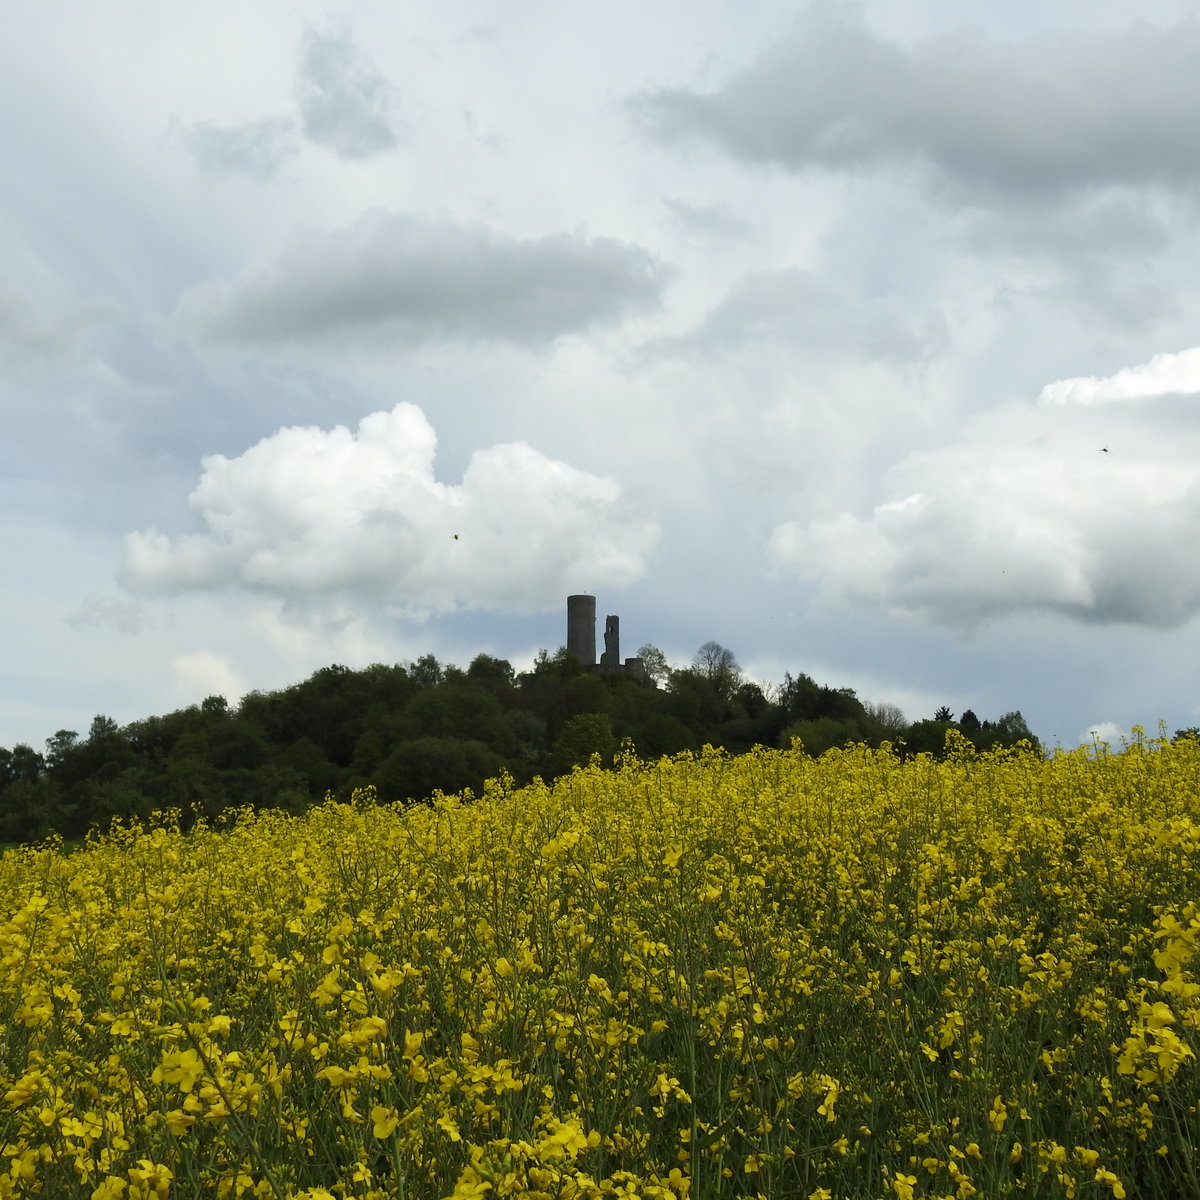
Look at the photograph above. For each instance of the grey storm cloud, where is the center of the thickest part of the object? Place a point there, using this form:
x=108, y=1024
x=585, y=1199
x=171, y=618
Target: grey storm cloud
x=314, y=515
x=1047, y=114
x=254, y=148
x=345, y=104
x=1026, y=511
x=394, y=278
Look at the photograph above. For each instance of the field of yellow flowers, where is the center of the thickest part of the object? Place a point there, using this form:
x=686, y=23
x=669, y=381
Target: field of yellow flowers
x=769, y=975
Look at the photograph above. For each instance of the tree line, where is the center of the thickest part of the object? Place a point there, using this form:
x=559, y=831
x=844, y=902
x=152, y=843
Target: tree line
x=413, y=729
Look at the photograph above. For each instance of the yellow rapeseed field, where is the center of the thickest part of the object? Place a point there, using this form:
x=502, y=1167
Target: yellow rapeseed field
x=768, y=975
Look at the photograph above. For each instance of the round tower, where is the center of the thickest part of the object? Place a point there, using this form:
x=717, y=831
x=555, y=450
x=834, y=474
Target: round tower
x=581, y=628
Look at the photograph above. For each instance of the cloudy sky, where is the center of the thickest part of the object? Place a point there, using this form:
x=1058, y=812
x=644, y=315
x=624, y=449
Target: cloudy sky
x=860, y=338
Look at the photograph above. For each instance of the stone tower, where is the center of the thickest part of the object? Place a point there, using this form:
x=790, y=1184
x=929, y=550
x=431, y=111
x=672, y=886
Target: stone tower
x=610, y=660
x=581, y=628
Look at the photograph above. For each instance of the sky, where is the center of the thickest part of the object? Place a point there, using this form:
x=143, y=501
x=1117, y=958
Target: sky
x=859, y=338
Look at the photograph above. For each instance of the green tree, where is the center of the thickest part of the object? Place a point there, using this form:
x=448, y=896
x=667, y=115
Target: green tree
x=59, y=749
x=426, y=672
x=805, y=700
x=122, y=798
x=318, y=773
x=824, y=733
x=655, y=662
x=456, y=711
x=663, y=734
x=719, y=666
x=237, y=745
x=694, y=699
x=24, y=762
x=1008, y=730
x=926, y=737
x=582, y=736
x=532, y=740
x=494, y=675
x=558, y=688
x=415, y=770
x=31, y=809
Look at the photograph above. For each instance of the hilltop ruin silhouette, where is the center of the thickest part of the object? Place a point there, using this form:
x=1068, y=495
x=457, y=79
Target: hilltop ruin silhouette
x=581, y=638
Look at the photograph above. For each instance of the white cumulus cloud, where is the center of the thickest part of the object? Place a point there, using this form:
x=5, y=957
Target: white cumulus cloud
x=1103, y=733
x=1026, y=511
x=1164, y=374
x=202, y=674
x=322, y=515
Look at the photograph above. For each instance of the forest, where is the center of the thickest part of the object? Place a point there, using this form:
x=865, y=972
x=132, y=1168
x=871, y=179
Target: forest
x=414, y=729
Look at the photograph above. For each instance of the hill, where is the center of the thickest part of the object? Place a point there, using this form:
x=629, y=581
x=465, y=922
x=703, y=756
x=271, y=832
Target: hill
x=412, y=730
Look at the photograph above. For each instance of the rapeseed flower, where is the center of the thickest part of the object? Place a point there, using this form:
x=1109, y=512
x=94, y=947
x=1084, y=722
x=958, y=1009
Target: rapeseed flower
x=709, y=975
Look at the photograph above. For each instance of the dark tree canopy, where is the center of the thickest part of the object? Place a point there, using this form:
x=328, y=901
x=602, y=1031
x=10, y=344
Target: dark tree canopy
x=413, y=729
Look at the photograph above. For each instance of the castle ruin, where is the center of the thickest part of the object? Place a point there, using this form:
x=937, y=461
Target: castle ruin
x=581, y=638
